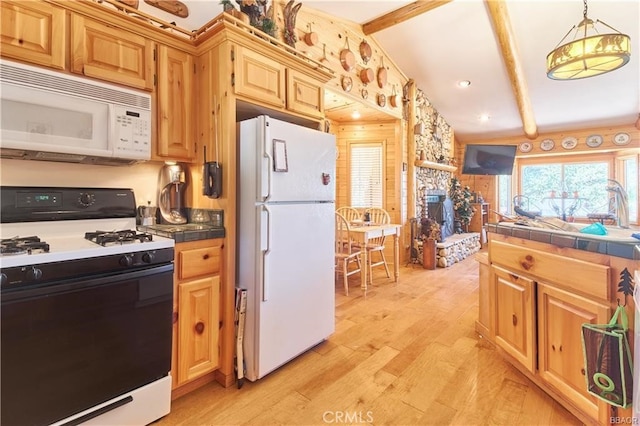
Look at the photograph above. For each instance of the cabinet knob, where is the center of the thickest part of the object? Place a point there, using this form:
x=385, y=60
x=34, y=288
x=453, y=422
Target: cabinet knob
x=514, y=319
x=174, y=318
x=553, y=347
x=205, y=256
x=582, y=371
x=199, y=327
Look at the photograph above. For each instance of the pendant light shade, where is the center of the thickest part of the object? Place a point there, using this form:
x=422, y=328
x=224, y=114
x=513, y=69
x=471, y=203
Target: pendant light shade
x=590, y=53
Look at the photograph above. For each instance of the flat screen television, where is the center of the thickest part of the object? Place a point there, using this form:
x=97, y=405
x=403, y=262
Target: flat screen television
x=488, y=159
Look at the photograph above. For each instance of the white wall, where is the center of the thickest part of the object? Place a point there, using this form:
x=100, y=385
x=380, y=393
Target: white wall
x=142, y=178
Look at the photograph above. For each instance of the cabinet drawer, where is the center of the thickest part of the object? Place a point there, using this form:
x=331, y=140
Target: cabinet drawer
x=585, y=277
x=199, y=261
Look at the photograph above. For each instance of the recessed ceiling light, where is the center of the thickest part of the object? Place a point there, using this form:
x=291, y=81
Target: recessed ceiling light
x=355, y=115
x=464, y=83
x=484, y=117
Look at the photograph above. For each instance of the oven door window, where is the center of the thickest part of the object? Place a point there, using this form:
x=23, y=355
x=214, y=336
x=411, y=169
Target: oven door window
x=68, y=347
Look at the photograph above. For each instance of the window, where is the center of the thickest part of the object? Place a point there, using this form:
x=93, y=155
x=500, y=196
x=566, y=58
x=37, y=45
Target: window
x=566, y=189
x=367, y=174
x=629, y=180
x=504, y=194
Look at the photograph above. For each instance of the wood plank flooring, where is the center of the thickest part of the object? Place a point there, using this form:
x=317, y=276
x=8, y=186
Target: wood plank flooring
x=407, y=354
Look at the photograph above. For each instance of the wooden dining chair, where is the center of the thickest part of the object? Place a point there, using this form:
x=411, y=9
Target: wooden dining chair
x=345, y=252
x=376, y=245
x=350, y=214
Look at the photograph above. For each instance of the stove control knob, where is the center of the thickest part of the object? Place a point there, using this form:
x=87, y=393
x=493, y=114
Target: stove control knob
x=126, y=260
x=86, y=199
x=148, y=257
x=34, y=274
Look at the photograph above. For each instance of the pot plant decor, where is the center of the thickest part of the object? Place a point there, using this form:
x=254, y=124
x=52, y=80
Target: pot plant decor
x=461, y=199
x=254, y=12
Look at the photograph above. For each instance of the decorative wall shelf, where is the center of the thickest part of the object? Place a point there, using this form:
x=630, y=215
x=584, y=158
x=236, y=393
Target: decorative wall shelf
x=434, y=165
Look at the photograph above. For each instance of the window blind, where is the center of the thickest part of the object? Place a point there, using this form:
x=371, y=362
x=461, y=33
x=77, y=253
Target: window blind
x=366, y=175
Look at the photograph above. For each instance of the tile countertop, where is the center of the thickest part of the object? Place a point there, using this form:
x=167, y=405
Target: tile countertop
x=626, y=247
x=186, y=232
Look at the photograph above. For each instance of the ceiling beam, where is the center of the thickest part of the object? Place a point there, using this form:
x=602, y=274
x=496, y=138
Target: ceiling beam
x=400, y=15
x=504, y=32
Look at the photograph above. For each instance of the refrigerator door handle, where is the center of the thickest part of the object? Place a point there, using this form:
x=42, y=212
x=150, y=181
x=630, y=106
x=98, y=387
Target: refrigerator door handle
x=268, y=170
x=265, y=252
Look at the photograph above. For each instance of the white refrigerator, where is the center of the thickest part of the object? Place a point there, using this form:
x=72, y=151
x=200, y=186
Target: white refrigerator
x=286, y=181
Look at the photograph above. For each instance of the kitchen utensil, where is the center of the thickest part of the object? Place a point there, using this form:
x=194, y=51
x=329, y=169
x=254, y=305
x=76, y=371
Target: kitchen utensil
x=171, y=198
x=147, y=214
x=347, y=58
x=311, y=38
x=394, y=98
x=382, y=99
x=366, y=75
x=382, y=74
x=347, y=83
x=365, y=51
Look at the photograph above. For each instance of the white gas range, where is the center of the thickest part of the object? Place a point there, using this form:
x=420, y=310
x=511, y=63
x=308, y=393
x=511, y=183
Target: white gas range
x=80, y=285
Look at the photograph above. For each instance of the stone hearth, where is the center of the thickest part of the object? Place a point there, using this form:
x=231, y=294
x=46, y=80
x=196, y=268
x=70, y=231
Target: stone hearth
x=454, y=249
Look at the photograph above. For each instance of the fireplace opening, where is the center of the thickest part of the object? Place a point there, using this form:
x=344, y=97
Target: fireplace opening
x=440, y=209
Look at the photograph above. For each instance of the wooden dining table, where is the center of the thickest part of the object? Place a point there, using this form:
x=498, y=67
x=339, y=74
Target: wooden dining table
x=362, y=233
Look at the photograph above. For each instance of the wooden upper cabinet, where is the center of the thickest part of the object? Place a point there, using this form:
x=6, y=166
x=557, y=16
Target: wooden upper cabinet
x=259, y=77
x=107, y=53
x=175, y=99
x=34, y=32
x=304, y=95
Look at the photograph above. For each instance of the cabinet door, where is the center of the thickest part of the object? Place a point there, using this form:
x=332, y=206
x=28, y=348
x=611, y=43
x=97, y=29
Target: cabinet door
x=198, y=332
x=34, y=32
x=176, y=122
x=259, y=78
x=512, y=309
x=304, y=95
x=107, y=53
x=561, y=360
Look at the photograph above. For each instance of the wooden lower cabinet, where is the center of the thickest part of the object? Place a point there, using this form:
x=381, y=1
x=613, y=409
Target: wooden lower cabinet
x=513, y=315
x=196, y=326
x=561, y=361
x=540, y=295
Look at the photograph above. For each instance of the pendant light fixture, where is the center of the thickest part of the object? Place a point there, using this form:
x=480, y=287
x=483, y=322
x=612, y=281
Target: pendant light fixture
x=590, y=53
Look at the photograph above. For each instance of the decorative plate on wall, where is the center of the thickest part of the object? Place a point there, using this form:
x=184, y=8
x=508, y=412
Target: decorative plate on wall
x=594, y=141
x=569, y=142
x=621, y=138
x=525, y=147
x=547, y=144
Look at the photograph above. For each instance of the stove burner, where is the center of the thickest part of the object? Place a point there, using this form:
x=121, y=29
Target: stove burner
x=22, y=245
x=117, y=237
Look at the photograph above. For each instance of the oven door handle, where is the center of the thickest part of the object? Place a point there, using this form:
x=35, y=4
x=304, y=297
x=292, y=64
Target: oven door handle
x=147, y=292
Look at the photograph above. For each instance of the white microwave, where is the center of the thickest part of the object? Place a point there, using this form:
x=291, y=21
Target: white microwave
x=53, y=116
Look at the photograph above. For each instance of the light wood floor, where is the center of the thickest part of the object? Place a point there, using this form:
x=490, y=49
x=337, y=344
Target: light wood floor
x=406, y=354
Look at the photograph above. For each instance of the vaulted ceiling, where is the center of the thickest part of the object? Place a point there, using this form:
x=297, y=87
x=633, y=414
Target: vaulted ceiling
x=500, y=47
